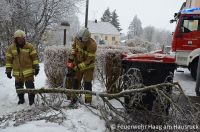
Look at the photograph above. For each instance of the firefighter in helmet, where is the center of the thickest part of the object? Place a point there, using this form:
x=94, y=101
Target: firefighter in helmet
x=22, y=61
x=82, y=62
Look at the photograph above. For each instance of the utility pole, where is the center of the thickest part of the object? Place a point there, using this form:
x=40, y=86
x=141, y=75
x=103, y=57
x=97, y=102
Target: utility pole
x=86, y=14
x=197, y=89
x=64, y=26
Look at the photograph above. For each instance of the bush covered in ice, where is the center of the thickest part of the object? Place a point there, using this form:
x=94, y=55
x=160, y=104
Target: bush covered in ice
x=108, y=64
x=54, y=64
x=140, y=43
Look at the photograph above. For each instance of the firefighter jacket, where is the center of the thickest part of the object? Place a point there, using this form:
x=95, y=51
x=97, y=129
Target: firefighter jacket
x=21, y=60
x=83, y=54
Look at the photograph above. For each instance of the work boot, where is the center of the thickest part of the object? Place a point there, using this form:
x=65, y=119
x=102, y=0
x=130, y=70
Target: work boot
x=88, y=97
x=20, y=85
x=31, y=98
x=30, y=85
x=21, y=99
x=73, y=96
x=73, y=104
x=197, y=93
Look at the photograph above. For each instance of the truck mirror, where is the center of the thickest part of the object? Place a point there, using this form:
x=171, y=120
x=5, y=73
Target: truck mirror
x=175, y=14
x=172, y=21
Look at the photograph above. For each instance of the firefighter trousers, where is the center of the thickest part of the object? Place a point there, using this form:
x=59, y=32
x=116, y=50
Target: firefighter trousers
x=87, y=76
x=29, y=83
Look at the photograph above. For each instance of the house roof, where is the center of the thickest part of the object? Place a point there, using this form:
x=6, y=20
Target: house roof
x=102, y=28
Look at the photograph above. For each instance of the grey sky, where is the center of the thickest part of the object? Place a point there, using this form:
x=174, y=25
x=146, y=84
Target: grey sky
x=151, y=12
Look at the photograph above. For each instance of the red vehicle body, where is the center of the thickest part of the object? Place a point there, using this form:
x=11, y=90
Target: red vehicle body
x=186, y=39
x=151, y=57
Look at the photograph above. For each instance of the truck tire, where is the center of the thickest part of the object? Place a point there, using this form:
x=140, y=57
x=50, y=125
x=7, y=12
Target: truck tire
x=193, y=70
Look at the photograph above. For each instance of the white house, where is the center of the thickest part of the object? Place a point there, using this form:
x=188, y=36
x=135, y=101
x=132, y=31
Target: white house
x=104, y=33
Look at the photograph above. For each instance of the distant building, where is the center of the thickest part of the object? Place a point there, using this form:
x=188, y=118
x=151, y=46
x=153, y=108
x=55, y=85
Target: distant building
x=54, y=35
x=104, y=33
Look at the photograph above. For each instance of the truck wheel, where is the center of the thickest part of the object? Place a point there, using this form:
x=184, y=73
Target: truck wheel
x=194, y=70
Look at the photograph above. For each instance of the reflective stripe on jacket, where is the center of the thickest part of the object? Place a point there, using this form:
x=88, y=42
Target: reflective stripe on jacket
x=85, y=53
x=21, y=63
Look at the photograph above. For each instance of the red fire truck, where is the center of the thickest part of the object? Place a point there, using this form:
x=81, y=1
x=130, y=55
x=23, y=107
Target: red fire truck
x=186, y=38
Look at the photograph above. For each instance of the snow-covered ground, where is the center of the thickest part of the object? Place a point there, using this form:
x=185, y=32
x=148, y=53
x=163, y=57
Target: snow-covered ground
x=186, y=81
x=8, y=92
x=81, y=119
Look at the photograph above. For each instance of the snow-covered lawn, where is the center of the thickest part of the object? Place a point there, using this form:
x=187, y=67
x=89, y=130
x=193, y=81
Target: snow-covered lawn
x=8, y=94
x=81, y=119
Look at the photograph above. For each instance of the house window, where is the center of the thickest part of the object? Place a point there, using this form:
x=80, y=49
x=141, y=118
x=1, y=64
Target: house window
x=113, y=38
x=106, y=37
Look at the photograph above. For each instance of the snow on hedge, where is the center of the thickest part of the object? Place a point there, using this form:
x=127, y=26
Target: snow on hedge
x=54, y=64
x=108, y=60
x=140, y=43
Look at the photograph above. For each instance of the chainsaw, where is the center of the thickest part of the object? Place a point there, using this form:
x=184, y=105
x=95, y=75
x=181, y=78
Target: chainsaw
x=69, y=74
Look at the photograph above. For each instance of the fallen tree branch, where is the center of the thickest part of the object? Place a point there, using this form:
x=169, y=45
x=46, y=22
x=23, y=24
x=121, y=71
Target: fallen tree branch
x=132, y=114
x=102, y=94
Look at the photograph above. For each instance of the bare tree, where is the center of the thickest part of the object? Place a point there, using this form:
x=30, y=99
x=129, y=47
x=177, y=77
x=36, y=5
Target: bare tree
x=135, y=28
x=34, y=16
x=162, y=37
x=148, y=33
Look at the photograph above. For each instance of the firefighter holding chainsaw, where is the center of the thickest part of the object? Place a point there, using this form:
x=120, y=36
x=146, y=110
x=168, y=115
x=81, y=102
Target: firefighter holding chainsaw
x=81, y=63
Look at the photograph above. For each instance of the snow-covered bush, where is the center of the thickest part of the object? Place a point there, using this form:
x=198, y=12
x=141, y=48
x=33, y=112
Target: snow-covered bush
x=54, y=64
x=3, y=48
x=108, y=64
x=140, y=43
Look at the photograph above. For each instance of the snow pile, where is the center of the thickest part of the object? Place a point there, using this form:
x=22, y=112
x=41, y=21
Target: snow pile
x=138, y=42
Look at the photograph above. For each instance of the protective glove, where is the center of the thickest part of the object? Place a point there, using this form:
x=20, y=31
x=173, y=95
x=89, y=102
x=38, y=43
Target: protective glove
x=70, y=65
x=9, y=75
x=36, y=71
x=80, y=66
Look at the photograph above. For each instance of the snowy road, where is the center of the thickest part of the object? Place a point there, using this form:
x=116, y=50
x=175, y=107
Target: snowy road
x=186, y=81
x=81, y=119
